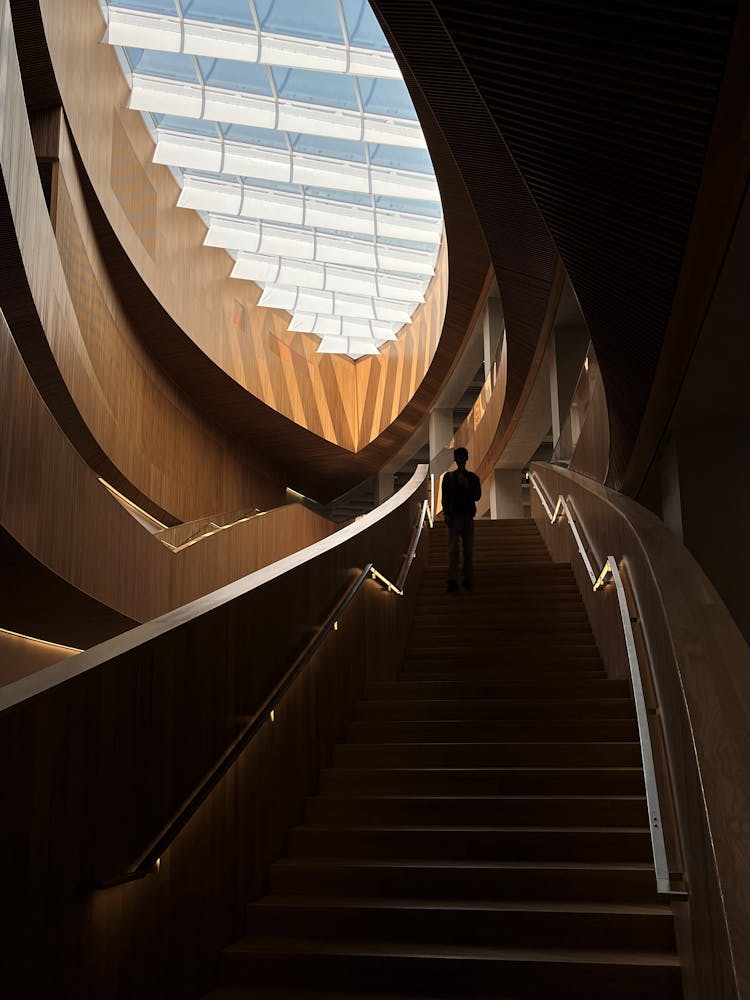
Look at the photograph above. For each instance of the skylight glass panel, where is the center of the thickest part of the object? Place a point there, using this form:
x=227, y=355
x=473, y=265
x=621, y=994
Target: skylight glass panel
x=400, y=158
x=267, y=137
x=362, y=26
x=331, y=194
x=232, y=12
x=191, y=126
x=329, y=90
x=336, y=149
x=301, y=19
x=409, y=206
x=340, y=228
x=150, y=6
x=273, y=185
x=164, y=65
x=230, y=74
x=389, y=98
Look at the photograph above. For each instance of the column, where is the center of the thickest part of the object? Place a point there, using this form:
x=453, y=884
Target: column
x=506, y=494
x=441, y=432
x=384, y=486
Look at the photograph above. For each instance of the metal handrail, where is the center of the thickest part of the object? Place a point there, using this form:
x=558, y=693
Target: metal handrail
x=148, y=861
x=610, y=572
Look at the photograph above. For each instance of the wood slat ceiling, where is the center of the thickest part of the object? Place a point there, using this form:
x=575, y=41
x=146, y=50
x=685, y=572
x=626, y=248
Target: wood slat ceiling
x=606, y=107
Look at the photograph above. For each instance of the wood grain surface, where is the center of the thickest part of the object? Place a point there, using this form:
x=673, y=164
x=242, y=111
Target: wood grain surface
x=700, y=665
x=345, y=403
x=387, y=396
x=119, y=736
x=53, y=505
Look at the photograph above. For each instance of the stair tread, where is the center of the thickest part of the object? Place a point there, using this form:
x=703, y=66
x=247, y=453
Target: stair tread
x=464, y=829
x=483, y=905
x=484, y=771
x=454, y=797
x=287, y=993
x=321, y=946
x=502, y=711
x=477, y=864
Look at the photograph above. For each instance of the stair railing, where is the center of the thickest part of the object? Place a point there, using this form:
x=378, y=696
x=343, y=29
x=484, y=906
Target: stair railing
x=610, y=573
x=148, y=861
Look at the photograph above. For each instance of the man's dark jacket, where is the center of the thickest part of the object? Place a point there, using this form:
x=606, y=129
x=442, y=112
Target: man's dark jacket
x=459, y=499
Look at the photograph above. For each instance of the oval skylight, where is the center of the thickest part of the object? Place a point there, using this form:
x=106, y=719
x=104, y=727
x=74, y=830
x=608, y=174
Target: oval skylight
x=290, y=130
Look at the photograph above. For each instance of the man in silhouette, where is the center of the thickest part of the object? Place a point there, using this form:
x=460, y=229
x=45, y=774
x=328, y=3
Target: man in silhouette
x=461, y=490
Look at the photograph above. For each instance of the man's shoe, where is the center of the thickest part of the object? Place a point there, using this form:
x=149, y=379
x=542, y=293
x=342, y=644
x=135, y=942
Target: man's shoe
x=451, y=587
x=468, y=584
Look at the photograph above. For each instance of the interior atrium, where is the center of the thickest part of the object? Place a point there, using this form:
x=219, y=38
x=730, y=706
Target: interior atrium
x=374, y=610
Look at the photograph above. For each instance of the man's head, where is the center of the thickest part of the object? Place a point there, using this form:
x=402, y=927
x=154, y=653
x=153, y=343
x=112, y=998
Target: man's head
x=461, y=457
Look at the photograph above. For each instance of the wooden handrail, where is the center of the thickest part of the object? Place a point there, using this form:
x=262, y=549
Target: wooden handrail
x=148, y=860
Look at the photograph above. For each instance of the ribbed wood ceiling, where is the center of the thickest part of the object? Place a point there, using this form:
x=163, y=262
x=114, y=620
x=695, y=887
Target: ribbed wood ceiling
x=606, y=108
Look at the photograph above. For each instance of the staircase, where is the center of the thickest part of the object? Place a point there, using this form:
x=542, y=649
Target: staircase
x=483, y=831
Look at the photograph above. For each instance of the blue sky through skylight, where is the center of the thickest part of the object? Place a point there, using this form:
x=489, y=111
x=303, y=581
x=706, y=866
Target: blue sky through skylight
x=328, y=123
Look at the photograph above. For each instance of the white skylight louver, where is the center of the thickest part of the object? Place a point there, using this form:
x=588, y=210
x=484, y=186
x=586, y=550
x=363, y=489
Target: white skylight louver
x=165, y=33
x=290, y=130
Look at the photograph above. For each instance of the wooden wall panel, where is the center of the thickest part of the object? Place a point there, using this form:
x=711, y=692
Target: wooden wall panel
x=591, y=455
x=22, y=655
x=53, y=505
x=190, y=280
x=122, y=733
x=318, y=391
x=700, y=666
x=141, y=420
x=102, y=374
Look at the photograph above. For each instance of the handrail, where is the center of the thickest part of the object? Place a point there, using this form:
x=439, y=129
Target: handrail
x=148, y=861
x=611, y=572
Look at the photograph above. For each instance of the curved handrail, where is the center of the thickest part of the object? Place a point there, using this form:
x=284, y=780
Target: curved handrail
x=611, y=572
x=148, y=860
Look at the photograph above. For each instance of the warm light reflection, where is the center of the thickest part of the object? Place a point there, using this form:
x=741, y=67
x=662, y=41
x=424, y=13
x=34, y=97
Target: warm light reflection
x=41, y=642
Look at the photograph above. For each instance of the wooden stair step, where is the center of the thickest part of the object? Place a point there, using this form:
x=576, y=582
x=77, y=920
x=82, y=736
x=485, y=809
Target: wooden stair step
x=458, y=671
x=289, y=993
x=614, y=753
x=470, y=969
x=501, y=618
x=444, y=879
x=482, y=810
x=487, y=843
x=504, y=924
x=484, y=780
x=482, y=731
x=408, y=690
x=495, y=708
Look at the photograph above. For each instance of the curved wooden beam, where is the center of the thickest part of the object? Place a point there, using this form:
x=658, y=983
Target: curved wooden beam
x=376, y=391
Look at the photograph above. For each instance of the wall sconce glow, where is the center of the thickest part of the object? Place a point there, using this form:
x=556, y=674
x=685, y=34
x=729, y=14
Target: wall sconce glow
x=290, y=130
x=157, y=866
x=272, y=715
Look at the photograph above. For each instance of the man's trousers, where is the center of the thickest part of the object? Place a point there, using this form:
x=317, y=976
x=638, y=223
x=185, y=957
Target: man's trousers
x=461, y=526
